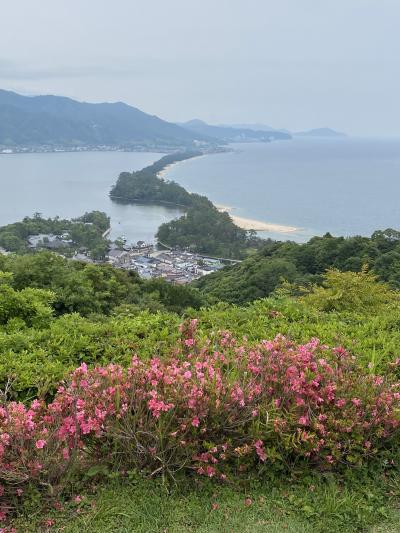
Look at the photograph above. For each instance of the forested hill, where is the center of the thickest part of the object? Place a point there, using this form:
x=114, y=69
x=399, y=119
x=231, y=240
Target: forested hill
x=302, y=264
x=55, y=120
x=147, y=186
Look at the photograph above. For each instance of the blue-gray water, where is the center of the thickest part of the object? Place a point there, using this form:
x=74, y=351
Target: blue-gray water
x=68, y=184
x=344, y=186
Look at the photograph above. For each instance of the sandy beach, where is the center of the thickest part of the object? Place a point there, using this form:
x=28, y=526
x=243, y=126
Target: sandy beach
x=241, y=222
x=256, y=225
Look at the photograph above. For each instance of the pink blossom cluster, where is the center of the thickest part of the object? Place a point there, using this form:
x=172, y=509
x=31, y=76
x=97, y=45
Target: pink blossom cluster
x=216, y=406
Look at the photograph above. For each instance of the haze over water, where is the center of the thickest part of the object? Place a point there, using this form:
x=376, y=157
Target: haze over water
x=346, y=187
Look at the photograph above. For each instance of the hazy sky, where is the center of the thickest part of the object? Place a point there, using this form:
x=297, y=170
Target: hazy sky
x=289, y=63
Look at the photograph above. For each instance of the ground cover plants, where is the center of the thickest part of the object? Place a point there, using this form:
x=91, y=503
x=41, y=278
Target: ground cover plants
x=287, y=409
x=215, y=407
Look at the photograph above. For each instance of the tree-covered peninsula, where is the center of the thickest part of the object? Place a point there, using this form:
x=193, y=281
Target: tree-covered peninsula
x=202, y=229
x=147, y=186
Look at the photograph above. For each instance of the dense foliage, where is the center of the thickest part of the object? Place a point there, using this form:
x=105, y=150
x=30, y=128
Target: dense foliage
x=94, y=289
x=146, y=186
x=170, y=159
x=260, y=274
x=213, y=400
x=38, y=349
x=215, y=406
x=205, y=230
x=84, y=232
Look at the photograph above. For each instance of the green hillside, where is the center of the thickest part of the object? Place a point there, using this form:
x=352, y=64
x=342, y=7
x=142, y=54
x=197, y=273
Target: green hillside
x=60, y=121
x=303, y=264
x=177, y=418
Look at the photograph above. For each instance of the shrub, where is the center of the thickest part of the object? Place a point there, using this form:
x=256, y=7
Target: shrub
x=31, y=307
x=351, y=291
x=215, y=407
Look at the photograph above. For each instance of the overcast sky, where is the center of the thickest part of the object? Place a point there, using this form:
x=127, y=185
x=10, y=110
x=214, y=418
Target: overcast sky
x=289, y=63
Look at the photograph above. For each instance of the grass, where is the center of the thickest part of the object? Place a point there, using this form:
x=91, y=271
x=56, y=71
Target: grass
x=143, y=509
x=317, y=504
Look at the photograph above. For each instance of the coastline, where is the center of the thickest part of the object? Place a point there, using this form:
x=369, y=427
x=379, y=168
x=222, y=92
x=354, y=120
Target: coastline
x=256, y=225
x=161, y=173
x=245, y=223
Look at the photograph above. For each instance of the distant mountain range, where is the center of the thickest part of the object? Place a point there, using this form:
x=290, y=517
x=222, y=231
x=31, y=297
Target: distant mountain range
x=257, y=127
x=320, y=132
x=233, y=133
x=55, y=120
x=252, y=132
x=317, y=132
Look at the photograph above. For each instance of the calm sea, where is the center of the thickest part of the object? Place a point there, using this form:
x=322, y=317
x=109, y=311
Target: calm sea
x=68, y=184
x=346, y=186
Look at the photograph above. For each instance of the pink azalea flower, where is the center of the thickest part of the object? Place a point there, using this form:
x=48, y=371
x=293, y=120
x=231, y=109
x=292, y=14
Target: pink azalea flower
x=303, y=420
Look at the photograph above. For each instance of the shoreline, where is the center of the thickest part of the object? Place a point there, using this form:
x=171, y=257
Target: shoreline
x=245, y=223
x=256, y=225
x=161, y=173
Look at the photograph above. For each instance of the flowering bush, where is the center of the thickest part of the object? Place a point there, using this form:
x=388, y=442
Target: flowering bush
x=216, y=407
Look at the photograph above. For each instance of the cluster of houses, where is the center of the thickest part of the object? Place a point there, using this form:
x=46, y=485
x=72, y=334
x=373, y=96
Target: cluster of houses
x=173, y=265
x=176, y=266
x=49, y=241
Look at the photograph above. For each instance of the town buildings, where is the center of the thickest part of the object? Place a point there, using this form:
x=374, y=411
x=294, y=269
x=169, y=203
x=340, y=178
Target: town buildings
x=173, y=265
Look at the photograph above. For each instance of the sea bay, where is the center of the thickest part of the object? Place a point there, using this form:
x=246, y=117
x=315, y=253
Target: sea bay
x=343, y=186
x=69, y=183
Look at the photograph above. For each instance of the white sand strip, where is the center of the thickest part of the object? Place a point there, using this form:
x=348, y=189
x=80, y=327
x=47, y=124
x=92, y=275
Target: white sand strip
x=256, y=225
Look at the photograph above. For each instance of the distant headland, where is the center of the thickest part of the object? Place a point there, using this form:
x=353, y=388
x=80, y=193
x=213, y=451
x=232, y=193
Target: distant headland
x=320, y=132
